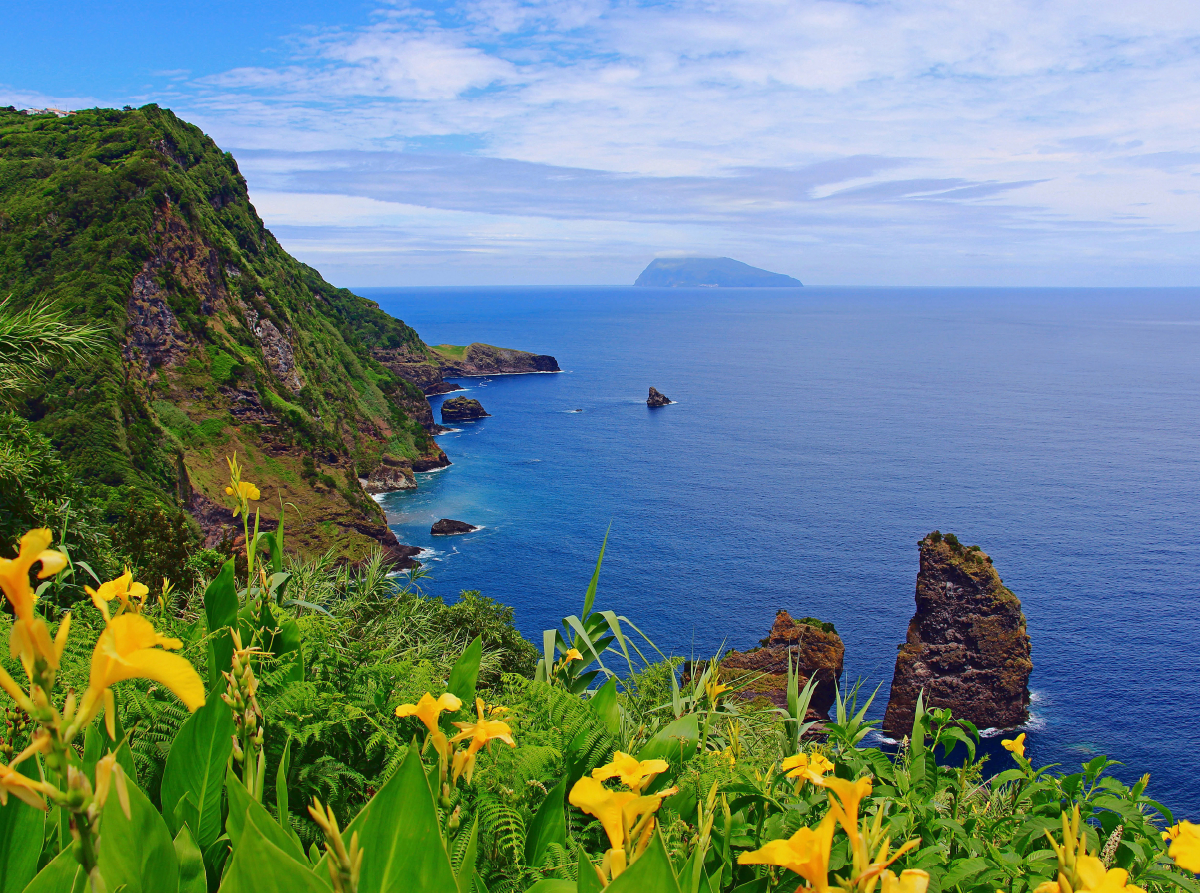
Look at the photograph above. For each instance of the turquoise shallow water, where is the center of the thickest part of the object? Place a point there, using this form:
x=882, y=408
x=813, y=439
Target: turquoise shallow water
x=818, y=434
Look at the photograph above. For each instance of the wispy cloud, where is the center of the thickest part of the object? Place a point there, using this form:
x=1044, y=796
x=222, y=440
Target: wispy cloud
x=883, y=141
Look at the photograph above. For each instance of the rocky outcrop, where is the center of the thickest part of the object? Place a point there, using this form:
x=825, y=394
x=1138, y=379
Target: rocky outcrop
x=462, y=409
x=450, y=527
x=389, y=476
x=967, y=648
x=485, y=359
x=657, y=399
x=815, y=649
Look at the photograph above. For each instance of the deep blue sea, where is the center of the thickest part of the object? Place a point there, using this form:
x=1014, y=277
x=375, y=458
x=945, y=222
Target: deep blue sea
x=817, y=435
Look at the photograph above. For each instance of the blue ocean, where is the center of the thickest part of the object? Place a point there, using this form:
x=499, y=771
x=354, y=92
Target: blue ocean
x=816, y=435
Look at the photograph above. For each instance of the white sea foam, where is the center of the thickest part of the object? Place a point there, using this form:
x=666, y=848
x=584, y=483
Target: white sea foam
x=432, y=470
x=449, y=431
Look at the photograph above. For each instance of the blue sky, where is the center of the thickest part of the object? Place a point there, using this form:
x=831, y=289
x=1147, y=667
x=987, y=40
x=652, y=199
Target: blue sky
x=885, y=142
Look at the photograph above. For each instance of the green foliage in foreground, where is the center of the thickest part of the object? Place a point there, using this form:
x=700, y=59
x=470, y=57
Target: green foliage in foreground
x=317, y=659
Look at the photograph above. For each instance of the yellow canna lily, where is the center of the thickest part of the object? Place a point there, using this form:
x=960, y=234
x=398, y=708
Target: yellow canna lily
x=481, y=733
x=844, y=797
x=634, y=774
x=1015, y=746
x=806, y=852
x=911, y=880
x=131, y=594
x=572, y=654
x=245, y=490
x=428, y=710
x=807, y=767
x=618, y=813
x=127, y=650
x=1094, y=877
x=1185, y=846
x=30, y=638
x=713, y=688
x=13, y=782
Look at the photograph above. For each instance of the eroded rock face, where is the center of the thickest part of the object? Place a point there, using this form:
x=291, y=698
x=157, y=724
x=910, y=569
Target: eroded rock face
x=390, y=475
x=967, y=647
x=486, y=359
x=657, y=399
x=462, y=409
x=815, y=649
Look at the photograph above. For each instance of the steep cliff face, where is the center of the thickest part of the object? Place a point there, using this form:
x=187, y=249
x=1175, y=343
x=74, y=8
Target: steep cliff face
x=484, y=359
x=967, y=647
x=216, y=340
x=815, y=649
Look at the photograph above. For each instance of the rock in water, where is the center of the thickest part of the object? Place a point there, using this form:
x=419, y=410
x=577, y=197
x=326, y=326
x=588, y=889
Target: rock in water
x=657, y=399
x=815, y=648
x=967, y=646
x=449, y=527
x=462, y=409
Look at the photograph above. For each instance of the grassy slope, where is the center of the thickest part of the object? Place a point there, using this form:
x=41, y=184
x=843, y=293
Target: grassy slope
x=103, y=205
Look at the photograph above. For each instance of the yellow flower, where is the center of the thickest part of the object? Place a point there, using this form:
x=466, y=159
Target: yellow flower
x=634, y=774
x=13, y=782
x=131, y=594
x=713, y=688
x=807, y=767
x=572, y=654
x=619, y=813
x=481, y=733
x=1185, y=846
x=126, y=650
x=1095, y=878
x=1015, y=746
x=844, y=797
x=245, y=490
x=428, y=710
x=30, y=637
x=806, y=852
x=911, y=880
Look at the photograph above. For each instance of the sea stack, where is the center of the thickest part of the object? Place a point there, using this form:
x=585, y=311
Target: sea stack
x=657, y=399
x=816, y=650
x=462, y=409
x=449, y=527
x=967, y=647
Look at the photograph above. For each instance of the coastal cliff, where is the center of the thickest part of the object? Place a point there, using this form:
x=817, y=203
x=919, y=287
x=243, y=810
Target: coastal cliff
x=967, y=647
x=815, y=649
x=214, y=341
x=485, y=359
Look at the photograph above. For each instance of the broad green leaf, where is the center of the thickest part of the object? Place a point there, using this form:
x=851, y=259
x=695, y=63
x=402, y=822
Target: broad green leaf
x=605, y=707
x=281, y=788
x=549, y=826
x=259, y=866
x=62, y=875
x=137, y=851
x=589, y=881
x=402, y=847
x=465, y=873
x=674, y=742
x=589, y=597
x=651, y=871
x=552, y=885
x=196, y=766
x=21, y=830
x=962, y=870
x=220, y=611
x=245, y=811
x=191, y=863
x=465, y=673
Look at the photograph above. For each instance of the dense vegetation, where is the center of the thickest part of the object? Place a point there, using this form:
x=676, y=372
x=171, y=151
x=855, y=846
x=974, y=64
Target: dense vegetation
x=305, y=726
x=209, y=338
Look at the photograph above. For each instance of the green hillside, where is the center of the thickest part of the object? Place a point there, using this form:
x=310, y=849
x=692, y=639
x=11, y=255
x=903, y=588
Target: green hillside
x=215, y=339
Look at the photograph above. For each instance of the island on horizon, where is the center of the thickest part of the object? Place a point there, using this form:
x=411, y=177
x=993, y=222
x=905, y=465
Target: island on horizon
x=710, y=272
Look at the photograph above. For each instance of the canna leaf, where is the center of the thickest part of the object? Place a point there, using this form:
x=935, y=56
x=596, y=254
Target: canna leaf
x=220, y=612
x=465, y=873
x=652, y=871
x=138, y=851
x=259, y=866
x=549, y=826
x=21, y=831
x=589, y=597
x=281, y=788
x=196, y=767
x=605, y=708
x=62, y=875
x=464, y=675
x=245, y=813
x=191, y=863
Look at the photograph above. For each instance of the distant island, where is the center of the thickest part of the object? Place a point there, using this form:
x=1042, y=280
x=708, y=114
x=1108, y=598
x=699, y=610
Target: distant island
x=710, y=272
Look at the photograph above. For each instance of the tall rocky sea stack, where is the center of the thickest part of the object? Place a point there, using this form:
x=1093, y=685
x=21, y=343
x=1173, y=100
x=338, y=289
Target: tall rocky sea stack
x=815, y=649
x=967, y=648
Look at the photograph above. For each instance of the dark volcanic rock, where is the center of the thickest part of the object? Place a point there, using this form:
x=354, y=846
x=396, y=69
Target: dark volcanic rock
x=390, y=475
x=486, y=359
x=967, y=646
x=449, y=527
x=657, y=399
x=815, y=649
x=462, y=409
